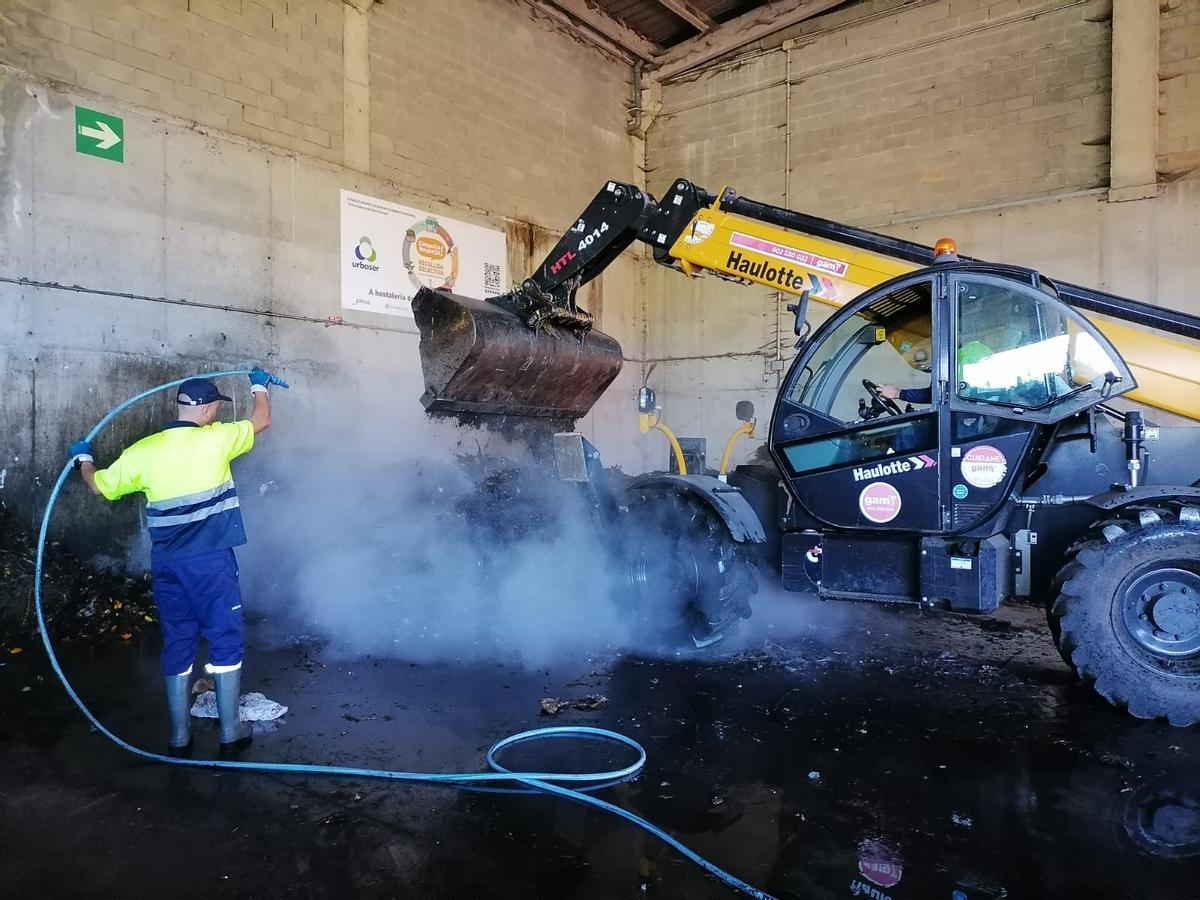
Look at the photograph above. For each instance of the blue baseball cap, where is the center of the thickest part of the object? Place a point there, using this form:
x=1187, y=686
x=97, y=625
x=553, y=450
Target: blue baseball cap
x=198, y=391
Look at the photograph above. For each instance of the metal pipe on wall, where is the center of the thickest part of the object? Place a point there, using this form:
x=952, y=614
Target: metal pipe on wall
x=777, y=364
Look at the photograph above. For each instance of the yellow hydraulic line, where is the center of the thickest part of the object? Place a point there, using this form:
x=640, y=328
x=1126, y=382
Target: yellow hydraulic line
x=675, y=448
x=748, y=430
x=645, y=423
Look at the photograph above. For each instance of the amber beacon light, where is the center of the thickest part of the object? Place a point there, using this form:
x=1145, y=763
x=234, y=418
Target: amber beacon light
x=945, y=248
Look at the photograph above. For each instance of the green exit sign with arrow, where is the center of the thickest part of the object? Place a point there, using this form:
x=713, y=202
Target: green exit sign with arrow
x=99, y=134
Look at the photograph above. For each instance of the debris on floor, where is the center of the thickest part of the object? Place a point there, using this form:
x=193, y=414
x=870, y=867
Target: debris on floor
x=83, y=603
x=253, y=707
x=1042, y=773
x=552, y=706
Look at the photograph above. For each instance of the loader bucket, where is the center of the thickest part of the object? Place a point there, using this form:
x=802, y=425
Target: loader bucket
x=481, y=360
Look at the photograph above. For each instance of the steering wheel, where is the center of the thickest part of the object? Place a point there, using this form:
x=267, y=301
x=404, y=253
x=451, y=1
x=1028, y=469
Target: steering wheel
x=888, y=404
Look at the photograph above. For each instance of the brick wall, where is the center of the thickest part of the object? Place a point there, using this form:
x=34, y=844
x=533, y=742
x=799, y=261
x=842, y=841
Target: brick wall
x=475, y=101
x=270, y=70
x=475, y=104
x=988, y=104
x=903, y=109
x=1179, y=97
x=935, y=107
x=525, y=118
x=724, y=128
x=483, y=106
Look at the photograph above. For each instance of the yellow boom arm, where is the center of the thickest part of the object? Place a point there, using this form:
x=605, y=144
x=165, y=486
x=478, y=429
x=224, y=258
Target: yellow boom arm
x=733, y=246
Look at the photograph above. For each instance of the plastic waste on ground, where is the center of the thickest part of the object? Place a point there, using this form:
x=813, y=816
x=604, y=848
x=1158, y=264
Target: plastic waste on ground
x=252, y=707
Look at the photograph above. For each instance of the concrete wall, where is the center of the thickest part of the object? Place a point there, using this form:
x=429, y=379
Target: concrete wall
x=1179, y=74
x=538, y=118
x=985, y=120
x=215, y=244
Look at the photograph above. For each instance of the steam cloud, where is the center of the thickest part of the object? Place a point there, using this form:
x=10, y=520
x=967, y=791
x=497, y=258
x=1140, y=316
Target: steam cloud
x=428, y=541
x=451, y=547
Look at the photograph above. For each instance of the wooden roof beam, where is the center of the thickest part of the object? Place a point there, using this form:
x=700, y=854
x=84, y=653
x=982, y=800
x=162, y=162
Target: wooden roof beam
x=595, y=19
x=686, y=10
x=737, y=33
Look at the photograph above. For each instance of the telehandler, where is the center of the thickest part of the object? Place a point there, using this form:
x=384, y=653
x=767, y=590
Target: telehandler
x=957, y=432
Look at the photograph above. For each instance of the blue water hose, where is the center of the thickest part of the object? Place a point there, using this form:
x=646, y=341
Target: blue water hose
x=546, y=782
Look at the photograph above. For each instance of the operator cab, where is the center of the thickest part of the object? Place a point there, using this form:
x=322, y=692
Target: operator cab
x=982, y=357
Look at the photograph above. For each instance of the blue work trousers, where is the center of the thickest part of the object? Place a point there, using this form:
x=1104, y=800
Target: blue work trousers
x=198, y=595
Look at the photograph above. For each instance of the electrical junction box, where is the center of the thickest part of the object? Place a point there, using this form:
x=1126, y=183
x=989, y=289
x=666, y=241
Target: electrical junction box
x=695, y=456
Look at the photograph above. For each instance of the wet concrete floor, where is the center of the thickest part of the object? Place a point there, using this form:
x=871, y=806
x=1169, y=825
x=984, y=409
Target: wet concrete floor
x=871, y=752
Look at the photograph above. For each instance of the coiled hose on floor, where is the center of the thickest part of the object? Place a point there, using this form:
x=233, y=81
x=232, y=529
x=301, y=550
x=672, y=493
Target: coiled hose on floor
x=547, y=782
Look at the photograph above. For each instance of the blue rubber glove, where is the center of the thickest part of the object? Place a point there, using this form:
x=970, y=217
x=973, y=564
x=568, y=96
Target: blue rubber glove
x=260, y=378
x=80, y=452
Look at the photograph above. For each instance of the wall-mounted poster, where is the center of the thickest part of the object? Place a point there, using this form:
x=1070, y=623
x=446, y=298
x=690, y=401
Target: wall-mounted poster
x=389, y=252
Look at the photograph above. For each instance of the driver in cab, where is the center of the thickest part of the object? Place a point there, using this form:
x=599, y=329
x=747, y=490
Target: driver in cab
x=970, y=352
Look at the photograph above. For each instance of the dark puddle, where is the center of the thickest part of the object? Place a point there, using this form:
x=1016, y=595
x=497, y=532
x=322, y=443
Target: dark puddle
x=942, y=761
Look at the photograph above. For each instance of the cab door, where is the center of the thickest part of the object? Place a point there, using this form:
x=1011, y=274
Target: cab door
x=850, y=460
x=1020, y=359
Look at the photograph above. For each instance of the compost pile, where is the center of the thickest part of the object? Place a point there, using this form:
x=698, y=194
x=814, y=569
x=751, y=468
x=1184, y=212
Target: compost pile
x=82, y=603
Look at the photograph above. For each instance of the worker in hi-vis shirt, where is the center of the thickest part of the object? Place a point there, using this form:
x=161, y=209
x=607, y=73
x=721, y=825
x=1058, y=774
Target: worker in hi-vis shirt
x=194, y=522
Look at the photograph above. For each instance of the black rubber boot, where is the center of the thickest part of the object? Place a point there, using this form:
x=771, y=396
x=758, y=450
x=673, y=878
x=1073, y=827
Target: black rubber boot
x=179, y=707
x=236, y=735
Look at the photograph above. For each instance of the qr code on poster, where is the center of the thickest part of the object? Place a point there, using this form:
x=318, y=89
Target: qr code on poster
x=491, y=277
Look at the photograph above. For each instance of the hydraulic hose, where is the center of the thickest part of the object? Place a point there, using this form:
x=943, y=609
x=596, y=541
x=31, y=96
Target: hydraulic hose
x=546, y=782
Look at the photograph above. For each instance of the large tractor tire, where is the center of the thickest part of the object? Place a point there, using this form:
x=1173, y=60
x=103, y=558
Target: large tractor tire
x=691, y=581
x=1069, y=570
x=1126, y=616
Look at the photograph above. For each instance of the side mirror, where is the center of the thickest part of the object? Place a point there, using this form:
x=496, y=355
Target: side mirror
x=646, y=400
x=744, y=411
x=799, y=309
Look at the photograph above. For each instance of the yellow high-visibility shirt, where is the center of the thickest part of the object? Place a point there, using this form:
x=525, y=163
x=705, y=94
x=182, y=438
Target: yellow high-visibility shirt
x=191, y=501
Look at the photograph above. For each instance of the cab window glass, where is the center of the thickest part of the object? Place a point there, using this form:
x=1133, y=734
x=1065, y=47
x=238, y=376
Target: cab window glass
x=886, y=343
x=1018, y=347
x=873, y=442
